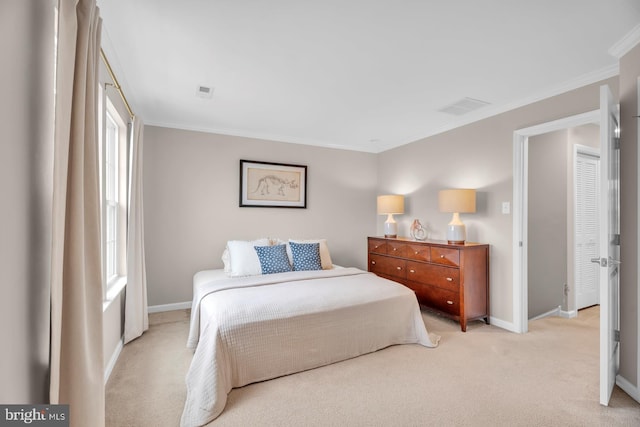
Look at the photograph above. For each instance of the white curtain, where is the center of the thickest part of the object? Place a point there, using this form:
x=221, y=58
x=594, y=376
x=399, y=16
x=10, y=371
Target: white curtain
x=77, y=361
x=136, y=318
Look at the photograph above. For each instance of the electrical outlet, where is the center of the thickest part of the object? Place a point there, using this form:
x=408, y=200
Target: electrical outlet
x=506, y=208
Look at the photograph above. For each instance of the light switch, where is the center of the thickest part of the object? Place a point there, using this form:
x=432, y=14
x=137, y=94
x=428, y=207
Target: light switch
x=506, y=208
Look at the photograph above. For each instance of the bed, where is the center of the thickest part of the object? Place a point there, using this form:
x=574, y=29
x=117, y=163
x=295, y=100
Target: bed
x=254, y=328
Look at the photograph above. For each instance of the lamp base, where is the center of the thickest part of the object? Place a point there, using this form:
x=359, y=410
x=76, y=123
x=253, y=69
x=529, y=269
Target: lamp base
x=456, y=234
x=391, y=228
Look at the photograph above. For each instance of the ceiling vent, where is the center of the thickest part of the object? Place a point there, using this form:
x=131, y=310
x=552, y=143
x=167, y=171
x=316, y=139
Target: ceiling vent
x=464, y=106
x=204, y=92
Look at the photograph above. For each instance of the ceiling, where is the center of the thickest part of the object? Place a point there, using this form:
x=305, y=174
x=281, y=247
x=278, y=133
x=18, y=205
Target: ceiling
x=365, y=75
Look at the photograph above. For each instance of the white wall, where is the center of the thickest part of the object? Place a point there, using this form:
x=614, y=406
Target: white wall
x=629, y=278
x=191, y=197
x=26, y=168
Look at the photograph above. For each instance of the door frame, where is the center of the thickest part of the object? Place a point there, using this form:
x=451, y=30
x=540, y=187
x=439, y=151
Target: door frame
x=520, y=207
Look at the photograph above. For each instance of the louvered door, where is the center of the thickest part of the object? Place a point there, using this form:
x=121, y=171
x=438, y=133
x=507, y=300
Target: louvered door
x=587, y=230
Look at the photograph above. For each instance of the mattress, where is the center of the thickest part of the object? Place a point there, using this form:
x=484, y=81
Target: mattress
x=256, y=328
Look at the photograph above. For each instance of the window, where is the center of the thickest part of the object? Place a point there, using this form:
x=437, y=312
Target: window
x=113, y=178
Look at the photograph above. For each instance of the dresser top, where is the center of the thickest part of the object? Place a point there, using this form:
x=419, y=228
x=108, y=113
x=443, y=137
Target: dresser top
x=428, y=241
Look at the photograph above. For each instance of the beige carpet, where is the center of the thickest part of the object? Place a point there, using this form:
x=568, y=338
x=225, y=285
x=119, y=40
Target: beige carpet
x=484, y=377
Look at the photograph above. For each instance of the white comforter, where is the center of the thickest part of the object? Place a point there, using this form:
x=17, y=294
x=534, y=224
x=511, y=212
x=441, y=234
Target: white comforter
x=261, y=327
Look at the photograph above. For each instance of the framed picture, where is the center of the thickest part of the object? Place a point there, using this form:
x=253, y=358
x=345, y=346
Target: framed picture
x=272, y=185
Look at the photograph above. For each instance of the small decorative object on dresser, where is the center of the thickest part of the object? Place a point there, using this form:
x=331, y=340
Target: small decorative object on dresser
x=418, y=232
x=451, y=279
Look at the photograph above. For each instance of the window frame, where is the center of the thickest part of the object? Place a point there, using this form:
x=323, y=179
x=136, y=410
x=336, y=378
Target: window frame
x=113, y=199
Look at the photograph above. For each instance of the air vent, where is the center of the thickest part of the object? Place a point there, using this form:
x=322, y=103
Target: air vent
x=464, y=106
x=204, y=92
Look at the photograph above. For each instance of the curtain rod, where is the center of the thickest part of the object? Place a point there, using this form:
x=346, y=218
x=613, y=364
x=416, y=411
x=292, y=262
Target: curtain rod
x=116, y=85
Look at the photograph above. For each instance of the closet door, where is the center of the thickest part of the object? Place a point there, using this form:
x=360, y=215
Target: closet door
x=587, y=230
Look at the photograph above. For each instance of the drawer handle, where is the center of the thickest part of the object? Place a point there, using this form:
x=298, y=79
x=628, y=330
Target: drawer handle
x=441, y=256
x=449, y=279
x=412, y=271
x=417, y=252
x=395, y=249
x=399, y=268
x=373, y=262
x=449, y=302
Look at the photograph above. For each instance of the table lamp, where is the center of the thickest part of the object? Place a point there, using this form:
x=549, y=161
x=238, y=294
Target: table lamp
x=457, y=201
x=389, y=205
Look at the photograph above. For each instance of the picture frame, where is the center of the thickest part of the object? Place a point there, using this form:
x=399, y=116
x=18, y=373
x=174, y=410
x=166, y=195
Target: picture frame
x=272, y=185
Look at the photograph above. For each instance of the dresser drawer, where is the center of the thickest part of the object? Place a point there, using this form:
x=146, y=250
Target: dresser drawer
x=396, y=249
x=445, y=256
x=440, y=299
x=418, y=252
x=442, y=277
x=378, y=246
x=387, y=266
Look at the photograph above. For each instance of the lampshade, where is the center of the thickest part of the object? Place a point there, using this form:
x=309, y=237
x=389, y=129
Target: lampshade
x=459, y=200
x=390, y=204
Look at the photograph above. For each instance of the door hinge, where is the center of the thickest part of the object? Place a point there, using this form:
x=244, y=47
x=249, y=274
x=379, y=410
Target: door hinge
x=616, y=143
x=615, y=239
x=616, y=335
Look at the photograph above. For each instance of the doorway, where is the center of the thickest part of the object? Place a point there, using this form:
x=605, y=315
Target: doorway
x=520, y=211
x=562, y=223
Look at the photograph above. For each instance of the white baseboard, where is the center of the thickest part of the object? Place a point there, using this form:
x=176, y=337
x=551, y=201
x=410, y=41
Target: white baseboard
x=628, y=388
x=568, y=314
x=554, y=312
x=113, y=360
x=169, y=307
x=502, y=324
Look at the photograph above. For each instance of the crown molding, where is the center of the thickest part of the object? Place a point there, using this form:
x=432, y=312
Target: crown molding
x=626, y=43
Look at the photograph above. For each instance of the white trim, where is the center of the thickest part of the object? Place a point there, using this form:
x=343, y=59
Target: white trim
x=520, y=206
x=113, y=291
x=554, y=312
x=637, y=394
x=169, y=307
x=520, y=172
x=502, y=324
x=568, y=314
x=626, y=43
x=628, y=388
x=113, y=360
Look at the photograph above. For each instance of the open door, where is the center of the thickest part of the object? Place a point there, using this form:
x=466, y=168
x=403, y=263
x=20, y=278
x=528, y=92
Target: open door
x=609, y=245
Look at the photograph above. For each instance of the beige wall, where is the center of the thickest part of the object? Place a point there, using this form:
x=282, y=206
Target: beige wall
x=547, y=221
x=191, y=191
x=629, y=352
x=26, y=167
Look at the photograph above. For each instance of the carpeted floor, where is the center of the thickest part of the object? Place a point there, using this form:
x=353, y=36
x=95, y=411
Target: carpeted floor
x=484, y=377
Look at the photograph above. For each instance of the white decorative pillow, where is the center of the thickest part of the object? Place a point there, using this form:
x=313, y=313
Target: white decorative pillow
x=325, y=256
x=243, y=259
x=226, y=260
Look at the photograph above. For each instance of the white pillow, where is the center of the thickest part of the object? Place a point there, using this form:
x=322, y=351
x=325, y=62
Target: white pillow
x=325, y=256
x=243, y=259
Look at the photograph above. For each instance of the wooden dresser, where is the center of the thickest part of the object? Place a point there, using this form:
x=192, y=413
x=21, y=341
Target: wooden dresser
x=451, y=279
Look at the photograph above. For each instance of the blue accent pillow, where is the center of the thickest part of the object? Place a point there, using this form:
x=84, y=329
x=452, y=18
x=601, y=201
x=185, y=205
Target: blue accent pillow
x=273, y=259
x=306, y=256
